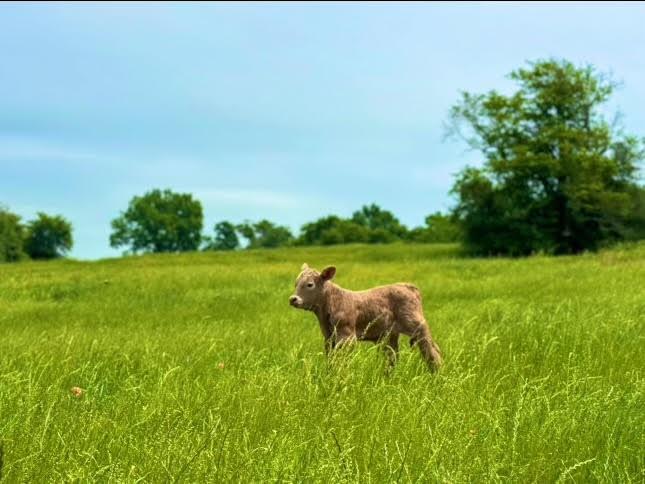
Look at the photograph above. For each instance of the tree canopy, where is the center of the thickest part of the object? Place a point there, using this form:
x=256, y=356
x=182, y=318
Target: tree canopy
x=11, y=237
x=159, y=221
x=48, y=237
x=556, y=175
x=331, y=230
x=370, y=224
x=384, y=225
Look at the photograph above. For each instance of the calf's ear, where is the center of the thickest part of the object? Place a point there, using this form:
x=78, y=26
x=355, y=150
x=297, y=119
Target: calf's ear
x=304, y=267
x=328, y=273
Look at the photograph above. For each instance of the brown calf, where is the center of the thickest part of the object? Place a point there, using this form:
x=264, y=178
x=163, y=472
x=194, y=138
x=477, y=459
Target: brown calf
x=379, y=314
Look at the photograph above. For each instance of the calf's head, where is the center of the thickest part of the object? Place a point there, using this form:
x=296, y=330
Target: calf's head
x=309, y=287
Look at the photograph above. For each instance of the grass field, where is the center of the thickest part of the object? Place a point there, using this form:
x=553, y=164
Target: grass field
x=194, y=368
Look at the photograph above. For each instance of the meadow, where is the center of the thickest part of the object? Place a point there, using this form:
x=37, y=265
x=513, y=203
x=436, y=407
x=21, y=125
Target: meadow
x=194, y=368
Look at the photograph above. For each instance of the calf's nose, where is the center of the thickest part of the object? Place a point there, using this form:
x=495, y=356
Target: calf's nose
x=293, y=299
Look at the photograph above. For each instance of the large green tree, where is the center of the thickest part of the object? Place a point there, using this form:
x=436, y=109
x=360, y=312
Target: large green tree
x=159, y=221
x=11, y=236
x=556, y=175
x=48, y=237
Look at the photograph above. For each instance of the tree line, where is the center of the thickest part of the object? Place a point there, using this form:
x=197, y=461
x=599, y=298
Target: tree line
x=164, y=221
x=555, y=177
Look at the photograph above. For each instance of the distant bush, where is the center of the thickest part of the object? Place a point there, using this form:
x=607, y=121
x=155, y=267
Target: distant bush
x=370, y=224
x=439, y=228
x=12, y=235
x=48, y=237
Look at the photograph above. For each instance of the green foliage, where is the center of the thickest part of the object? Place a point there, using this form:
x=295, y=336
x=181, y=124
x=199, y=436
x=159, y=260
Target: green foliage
x=11, y=237
x=439, y=228
x=192, y=366
x=371, y=224
x=332, y=230
x=265, y=234
x=48, y=237
x=635, y=223
x=159, y=221
x=556, y=176
x=225, y=237
x=345, y=232
x=312, y=233
x=386, y=226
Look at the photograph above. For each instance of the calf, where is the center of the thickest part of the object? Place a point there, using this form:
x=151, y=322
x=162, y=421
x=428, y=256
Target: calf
x=379, y=314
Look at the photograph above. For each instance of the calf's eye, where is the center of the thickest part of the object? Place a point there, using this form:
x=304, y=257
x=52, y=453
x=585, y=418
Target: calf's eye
x=310, y=285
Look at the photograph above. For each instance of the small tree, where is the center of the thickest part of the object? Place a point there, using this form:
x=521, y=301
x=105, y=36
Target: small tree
x=11, y=237
x=247, y=231
x=159, y=221
x=265, y=234
x=48, y=237
x=556, y=175
x=225, y=237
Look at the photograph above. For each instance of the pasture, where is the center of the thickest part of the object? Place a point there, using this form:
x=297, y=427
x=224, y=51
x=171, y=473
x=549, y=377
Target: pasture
x=194, y=368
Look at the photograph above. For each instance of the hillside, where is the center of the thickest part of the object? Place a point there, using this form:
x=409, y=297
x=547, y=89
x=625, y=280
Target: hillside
x=194, y=367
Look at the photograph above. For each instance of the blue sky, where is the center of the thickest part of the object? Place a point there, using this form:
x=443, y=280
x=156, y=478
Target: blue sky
x=280, y=111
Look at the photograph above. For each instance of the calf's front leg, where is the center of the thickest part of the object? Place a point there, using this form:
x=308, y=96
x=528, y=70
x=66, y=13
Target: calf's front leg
x=327, y=334
x=344, y=335
x=391, y=348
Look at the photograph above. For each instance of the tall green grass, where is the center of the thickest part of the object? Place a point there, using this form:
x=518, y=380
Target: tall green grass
x=194, y=368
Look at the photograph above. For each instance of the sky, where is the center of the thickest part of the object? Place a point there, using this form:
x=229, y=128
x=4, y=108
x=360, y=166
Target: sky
x=283, y=111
